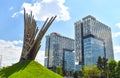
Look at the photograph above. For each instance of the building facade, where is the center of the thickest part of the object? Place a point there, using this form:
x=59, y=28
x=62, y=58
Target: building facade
x=69, y=60
x=58, y=50
x=92, y=39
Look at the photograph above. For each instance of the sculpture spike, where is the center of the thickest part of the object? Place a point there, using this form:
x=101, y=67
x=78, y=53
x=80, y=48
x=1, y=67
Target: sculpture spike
x=32, y=40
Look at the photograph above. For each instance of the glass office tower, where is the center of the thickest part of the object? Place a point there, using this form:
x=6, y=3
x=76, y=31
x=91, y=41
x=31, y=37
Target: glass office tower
x=69, y=60
x=92, y=39
x=93, y=48
x=58, y=49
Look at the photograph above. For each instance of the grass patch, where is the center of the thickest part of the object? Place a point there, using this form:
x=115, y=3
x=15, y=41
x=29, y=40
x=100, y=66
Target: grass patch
x=27, y=69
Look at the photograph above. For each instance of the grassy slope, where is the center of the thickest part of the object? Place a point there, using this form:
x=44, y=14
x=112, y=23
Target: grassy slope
x=27, y=69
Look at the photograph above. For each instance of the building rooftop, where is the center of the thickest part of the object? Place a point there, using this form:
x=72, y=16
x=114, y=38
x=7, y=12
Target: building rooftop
x=57, y=34
x=89, y=16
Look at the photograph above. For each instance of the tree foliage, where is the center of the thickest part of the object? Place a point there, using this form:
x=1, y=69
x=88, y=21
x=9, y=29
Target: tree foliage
x=59, y=70
x=117, y=70
x=102, y=65
x=103, y=69
x=76, y=73
x=111, y=67
x=99, y=63
x=91, y=71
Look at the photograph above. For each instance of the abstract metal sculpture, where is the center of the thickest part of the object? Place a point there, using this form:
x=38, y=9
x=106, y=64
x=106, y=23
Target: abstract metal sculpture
x=32, y=38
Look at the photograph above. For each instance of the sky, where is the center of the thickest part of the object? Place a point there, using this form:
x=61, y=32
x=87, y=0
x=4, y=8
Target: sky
x=67, y=11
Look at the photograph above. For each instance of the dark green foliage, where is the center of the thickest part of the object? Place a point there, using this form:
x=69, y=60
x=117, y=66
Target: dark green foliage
x=71, y=73
x=118, y=70
x=111, y=67
x=27, y=69
x=104, y=69
x=102, y=65
x=80, y=73
x=76, y=74
x=99, y=63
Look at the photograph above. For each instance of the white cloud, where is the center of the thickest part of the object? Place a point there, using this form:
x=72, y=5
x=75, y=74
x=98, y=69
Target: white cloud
x=11, y=8
x=117, y=34
x=11, y=52
x=15, y=14
x=117, y=52
x=40, y=57
x=117, y=56
x=46, y=8
x=118, y=25
x=47, y=1
x=116, y=49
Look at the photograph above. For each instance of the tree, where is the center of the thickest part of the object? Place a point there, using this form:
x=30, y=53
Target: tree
x=91, y=72
x=117, y=70
x=76, y=74
x=102, y=65
x=80, y=73
x=99, y=63
x=59, y=70
x=111, y=67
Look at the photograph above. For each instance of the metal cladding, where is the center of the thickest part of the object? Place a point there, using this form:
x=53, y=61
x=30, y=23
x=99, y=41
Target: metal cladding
x=32, y=38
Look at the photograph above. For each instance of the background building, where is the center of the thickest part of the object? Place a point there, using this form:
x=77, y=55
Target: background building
x=69, y=60
x=92, y=39
x=59, y=51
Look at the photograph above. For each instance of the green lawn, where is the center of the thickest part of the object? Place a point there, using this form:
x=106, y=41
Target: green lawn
x=27, y=69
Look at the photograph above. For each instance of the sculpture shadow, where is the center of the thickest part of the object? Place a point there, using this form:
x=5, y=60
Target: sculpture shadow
x=7, y=71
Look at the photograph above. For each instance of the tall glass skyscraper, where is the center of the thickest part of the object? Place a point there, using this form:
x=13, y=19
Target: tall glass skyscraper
x=92, y=39
x=59, y=51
